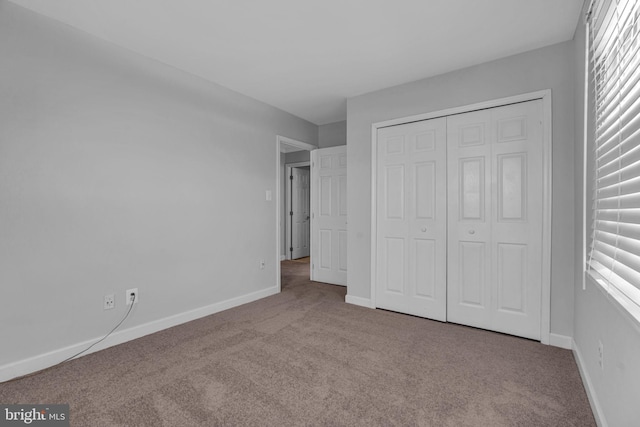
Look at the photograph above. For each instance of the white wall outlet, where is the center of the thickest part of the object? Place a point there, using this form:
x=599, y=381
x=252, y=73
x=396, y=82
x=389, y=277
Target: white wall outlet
x=109, y=302
x=129, y=293
x=600, y=355
x=261, y=264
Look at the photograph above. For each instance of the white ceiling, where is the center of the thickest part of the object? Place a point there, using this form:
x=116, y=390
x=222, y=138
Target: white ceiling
x=308, y=56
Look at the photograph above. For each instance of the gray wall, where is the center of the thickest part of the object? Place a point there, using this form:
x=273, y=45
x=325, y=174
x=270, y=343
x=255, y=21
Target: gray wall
x=332, y=134
x=616, y=387
x=116, y=172
x=298, y=156
x=547, y=68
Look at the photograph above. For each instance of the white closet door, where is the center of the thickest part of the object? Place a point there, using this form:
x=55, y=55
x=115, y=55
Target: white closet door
x=411, y=219
x=329, y=215
x=495, y=169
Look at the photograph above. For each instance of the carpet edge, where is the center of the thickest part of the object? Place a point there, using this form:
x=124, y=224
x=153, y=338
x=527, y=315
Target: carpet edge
x=45, y=360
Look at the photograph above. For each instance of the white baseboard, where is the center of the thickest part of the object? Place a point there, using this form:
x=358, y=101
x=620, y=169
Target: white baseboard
x=561, y=341
x=42, y=361
x=364, y=302
x=283, y=257
x=588, y=386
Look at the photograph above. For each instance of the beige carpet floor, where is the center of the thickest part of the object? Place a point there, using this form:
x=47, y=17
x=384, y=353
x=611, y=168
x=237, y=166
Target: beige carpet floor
x=304, y=357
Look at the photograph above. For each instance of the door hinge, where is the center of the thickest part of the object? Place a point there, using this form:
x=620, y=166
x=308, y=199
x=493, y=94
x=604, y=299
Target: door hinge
x=290, y=213
x=291, y=177
x=291, y=249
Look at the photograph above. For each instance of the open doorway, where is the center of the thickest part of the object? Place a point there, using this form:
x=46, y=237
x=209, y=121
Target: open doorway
x=293, y=157
x=298, y=210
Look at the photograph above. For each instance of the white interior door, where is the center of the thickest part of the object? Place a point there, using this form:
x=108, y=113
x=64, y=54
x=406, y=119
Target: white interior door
x=495, y=167
x=300, y=213
x=329, y=215
x=411, y=219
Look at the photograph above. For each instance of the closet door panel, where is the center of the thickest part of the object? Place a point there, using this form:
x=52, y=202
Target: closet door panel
x=469, y=252
x=411, y=219
x=495, y=200
x=517, y=219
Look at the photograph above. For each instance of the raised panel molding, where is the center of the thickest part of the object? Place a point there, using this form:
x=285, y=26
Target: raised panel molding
x=471, y=271
x=342, y=161
x=395, y=264
x=512, y=129
x=512, y=187
x=342, y=195
x=471, y=183
x=425, y=141
x=325, y=195
x=471, y=135
x=395, y=145
x=512, y=268
x=425, y=190
x=425, y=278
x=325, y=249
x=394, y=188
x=325, y=162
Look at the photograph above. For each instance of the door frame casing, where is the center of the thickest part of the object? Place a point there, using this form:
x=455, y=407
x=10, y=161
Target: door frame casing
x=280, y=140
x=287, y=198
x=545, y=96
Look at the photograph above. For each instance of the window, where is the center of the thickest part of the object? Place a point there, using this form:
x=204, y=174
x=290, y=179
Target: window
x=613, y=258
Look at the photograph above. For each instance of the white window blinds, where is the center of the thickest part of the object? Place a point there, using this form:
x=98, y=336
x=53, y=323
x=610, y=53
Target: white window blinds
x=614, y=54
